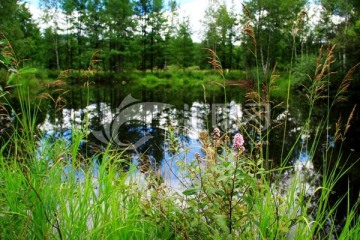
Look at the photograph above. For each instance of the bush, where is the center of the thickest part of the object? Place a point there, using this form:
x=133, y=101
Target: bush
x=53, y=74
x=303, y=70
x=41, y=74
x=235, y=75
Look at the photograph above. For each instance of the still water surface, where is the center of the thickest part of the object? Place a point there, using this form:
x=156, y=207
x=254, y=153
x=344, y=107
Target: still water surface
x=142, y=120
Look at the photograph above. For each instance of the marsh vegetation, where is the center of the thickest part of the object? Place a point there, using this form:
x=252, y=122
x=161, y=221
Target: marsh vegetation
x=213, y=141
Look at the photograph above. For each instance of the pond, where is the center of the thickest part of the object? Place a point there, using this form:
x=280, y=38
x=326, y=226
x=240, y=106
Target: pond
x=164, y=123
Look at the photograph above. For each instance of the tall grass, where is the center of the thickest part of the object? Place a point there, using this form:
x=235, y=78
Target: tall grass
x=49, y=190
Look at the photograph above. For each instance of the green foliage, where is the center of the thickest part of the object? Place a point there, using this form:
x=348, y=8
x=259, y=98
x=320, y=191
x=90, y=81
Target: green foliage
x=182, y=46
x=223, y=193
x=281, y=88
x=303, y=70
x=140, y=35
x=271, y=31
x=7, y=56
x=236, y=75
x=228, y=195
x=28, y=78
x=220, y=25
x=40, y=203
x=343, y=33
x=42, y=196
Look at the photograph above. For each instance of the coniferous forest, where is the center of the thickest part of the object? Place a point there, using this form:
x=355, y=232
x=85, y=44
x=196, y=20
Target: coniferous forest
x=150, y=34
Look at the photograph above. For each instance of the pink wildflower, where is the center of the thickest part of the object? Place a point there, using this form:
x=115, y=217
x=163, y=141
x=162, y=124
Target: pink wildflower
x=238, y=143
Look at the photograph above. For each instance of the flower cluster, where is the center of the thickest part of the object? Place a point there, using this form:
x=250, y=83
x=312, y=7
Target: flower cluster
x=238, y=143
x=216, y=133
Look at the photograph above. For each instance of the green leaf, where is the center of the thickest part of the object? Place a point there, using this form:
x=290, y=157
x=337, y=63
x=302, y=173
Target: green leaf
x=7, y=60
x=229, y=237
x=191, y=191
x=226, y=164
x=11, y=78
x=259, y=162
x=220, y=192
x=223, y=178
x=284, y=229
x=27, y=71
x=222, y=222
x=3, y=42
x=248, y=200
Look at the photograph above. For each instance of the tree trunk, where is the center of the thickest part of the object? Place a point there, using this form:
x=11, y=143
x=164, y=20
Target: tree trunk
x=57, y=51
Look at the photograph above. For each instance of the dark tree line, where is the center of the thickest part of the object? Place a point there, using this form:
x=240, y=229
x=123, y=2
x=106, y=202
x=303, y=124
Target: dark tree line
x=149, y=34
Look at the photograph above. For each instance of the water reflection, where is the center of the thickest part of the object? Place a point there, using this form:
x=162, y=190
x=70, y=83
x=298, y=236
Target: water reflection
x=143, y=125
x=143, y=117
x=106, y=111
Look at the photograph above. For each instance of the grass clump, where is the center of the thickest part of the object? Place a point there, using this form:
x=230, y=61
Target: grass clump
x=50, y=190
